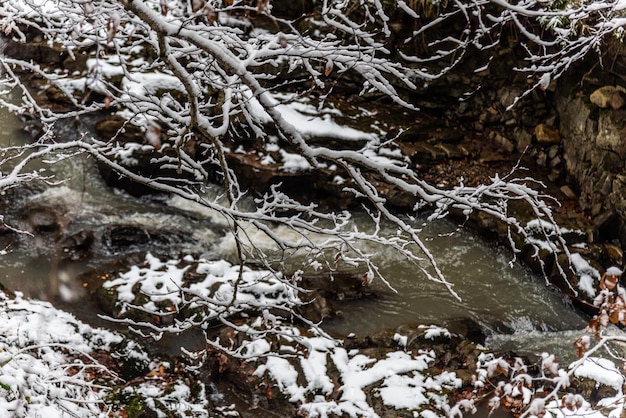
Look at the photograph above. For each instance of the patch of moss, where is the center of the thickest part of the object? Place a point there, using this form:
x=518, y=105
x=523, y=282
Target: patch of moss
x=131, y=403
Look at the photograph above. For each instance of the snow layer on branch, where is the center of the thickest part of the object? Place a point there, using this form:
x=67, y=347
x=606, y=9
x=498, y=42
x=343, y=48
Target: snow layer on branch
x=602, y=371
x=150, y=84
x=539, y=233
x=309, y=121
x=34, y=8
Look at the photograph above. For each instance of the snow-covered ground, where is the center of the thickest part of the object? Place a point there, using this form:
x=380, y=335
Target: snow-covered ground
x=52, y=365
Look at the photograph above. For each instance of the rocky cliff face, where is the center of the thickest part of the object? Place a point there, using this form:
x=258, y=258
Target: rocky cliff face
x=594, y=149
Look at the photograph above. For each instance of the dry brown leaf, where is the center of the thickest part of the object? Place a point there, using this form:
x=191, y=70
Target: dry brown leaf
x=329, y=68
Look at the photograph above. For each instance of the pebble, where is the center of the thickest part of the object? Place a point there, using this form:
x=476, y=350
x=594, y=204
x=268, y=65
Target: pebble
x=568, y=192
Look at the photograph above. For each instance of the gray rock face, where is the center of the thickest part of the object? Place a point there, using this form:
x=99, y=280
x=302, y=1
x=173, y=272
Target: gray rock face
x=595, y=155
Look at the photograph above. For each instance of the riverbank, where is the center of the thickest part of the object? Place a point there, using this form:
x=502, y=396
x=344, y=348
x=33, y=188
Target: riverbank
x=271, y=356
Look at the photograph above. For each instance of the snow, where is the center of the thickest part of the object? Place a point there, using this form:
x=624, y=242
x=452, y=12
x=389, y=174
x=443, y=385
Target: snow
x=293, y=163
x=586, y=284
x=401, y=383
x=171, y=397
x=433, y=331
x=602, y=371
x=160, y=281
x=38, y=343
x=305, y=119
x=149, y=84
x=400, y=339
x=47, y=368
x=400, y=380
x=539, y=233
x=588, y=276
x=614, y=271
x=218, y=287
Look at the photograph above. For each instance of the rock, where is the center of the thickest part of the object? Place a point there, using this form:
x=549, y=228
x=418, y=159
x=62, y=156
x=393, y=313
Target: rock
x=420, y=152
x=42, y=219
x=568, y=192
x=503, y=143
x=508, y=96
x=140, y=159
x=384, y=338
x=554, y=174
x=128, y=239
x=77, y=246
x=542, y=159
x=614, y=253
x=116, y=126
x=523, y=140
x=618, y=99
x=602, y=96
x=553, y=151
x=591, y=389
x=488, y=156
x=326, y=294
x=37, y=50
x=490, y=116
x=546, y=135
x=605, y=224
x=467, y=328
x=611, y=130
x=55, y=94
x=609, y=96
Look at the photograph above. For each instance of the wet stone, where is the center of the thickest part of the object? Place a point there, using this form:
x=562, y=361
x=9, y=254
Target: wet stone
x=42, y=219
x=77, y=245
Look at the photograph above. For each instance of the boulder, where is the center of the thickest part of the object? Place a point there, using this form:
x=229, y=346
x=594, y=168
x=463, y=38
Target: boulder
x=609, y=96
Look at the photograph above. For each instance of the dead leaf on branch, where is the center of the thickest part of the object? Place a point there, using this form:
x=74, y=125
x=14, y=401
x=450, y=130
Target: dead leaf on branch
x=223, y=362
x=595, y=328
x=197, y=5
x=549, y=364
x=210, y=14
x=111, y=29
x=329, y=67
x=582, y=345
x=608, y=281
x=262, y=6
x=572, y=402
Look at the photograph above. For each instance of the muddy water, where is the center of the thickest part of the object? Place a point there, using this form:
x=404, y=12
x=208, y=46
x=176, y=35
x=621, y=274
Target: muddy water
x=517, y=308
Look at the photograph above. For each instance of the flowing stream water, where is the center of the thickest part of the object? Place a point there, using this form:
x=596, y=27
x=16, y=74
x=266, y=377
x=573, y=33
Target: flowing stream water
x=516, y=307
